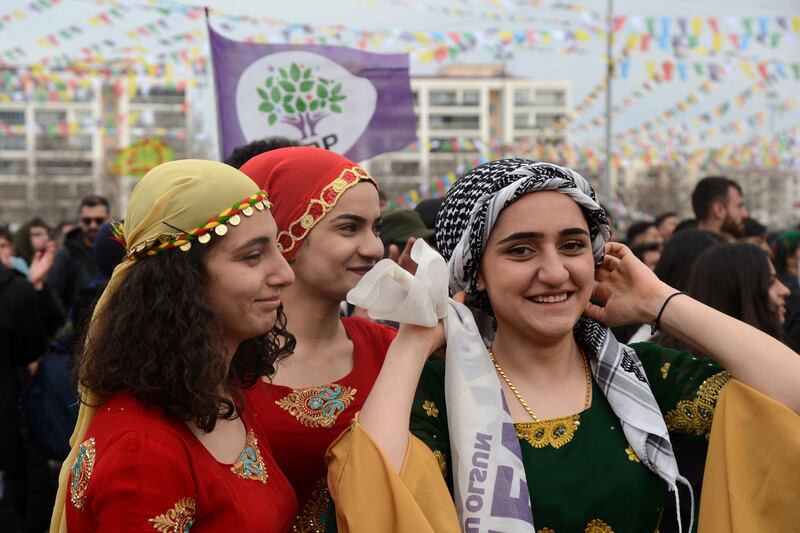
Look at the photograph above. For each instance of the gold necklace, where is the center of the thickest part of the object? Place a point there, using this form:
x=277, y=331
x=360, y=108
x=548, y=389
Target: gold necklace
x=522, y=400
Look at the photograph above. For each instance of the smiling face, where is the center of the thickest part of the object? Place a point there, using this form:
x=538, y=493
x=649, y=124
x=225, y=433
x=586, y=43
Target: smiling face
x=343, y=246
x=538, y=268
x=245, y=275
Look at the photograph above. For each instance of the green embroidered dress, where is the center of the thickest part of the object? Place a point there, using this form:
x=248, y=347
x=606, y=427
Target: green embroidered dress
x=585, y=477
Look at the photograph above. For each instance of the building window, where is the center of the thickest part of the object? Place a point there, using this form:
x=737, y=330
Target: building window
x=523, y=97
x=63, y=167
x=415, y=97
x=12, y=142
x=84, y=118
x=405, y=168
x=440, y=167
x=546, y=120
x=13, y=167
x=550, y=97
x=455, y=122
x=55, y=143
x=522, y=121
x=169, y=119
x=12, y=118
x=50, y=118
x=471, y=97
x=444, y=98
x=159, y=95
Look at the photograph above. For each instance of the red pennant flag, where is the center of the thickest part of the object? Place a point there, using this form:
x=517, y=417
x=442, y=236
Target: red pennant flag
x=668, y=67
x=714, y=23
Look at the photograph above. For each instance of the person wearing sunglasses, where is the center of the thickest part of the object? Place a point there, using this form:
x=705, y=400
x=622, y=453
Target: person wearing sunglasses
x=74, y=265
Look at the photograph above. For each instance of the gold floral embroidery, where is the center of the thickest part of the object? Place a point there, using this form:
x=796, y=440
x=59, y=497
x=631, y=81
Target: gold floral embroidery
x=430, y=408
x=179, y=519
x=314, y=516
x=318, y=407
x=250, y=464
x=545, y=530
x=632, y=455
x=555, y=433
x=319, y=207
x=695, y=416
x=665, y=369
x=598, y=526
x=440, y=458
x=81, y=472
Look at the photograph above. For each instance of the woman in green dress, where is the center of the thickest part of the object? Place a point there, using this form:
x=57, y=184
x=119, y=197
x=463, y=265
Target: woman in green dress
x=580, y=437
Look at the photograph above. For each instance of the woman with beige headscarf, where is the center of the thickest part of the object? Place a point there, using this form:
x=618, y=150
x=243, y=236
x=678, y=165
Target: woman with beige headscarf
x=164, y=441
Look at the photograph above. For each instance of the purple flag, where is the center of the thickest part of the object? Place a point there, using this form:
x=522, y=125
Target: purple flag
x=355, y=103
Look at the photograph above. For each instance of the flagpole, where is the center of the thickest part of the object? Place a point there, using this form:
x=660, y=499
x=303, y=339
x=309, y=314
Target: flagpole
x=608, y=191
x=213, y=84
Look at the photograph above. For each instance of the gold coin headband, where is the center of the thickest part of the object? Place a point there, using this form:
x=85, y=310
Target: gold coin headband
x=183, y=240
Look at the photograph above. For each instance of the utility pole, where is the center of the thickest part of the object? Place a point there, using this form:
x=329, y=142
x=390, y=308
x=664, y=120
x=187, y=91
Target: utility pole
x=608, y=188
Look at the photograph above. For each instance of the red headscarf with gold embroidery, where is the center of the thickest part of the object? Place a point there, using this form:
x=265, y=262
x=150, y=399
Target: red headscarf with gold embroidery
x=303, y=183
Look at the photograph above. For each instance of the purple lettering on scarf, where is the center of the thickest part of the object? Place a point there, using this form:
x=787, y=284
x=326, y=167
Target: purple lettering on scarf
x=477, y=476
x=504, y=503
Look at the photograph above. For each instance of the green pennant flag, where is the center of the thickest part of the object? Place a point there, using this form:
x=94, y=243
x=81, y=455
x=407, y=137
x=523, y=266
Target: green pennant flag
x=748, y=24
x=692, y=41
x=651, y=25
x=698, y=68
x=776, y=39
x=796, y=69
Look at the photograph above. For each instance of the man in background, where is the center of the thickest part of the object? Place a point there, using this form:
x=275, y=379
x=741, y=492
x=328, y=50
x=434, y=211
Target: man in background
x=74, y=265
x=718, y=205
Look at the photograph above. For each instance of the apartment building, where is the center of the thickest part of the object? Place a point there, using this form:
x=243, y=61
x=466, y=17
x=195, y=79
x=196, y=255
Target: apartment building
x=473, y=105
x=58, y=141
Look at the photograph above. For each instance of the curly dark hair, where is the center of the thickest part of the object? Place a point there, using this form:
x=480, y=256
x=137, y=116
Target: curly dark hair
x=158, y=340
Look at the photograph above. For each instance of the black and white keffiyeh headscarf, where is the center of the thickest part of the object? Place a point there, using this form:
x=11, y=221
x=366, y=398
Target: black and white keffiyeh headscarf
x=469, y=212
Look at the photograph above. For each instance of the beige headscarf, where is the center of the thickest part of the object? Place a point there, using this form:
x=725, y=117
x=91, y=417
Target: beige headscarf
x=176, y=205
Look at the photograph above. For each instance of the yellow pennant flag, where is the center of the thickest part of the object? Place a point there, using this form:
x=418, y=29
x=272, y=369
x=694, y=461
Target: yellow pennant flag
x=697, y=26
x=748, y=70
x=716, y=41
x=651, y=69
x=133, y=86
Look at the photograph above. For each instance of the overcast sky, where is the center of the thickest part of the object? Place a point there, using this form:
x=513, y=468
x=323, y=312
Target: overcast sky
x=583, y=70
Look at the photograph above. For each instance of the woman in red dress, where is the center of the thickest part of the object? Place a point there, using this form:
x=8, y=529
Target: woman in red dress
x=165, y=441
x=328, y=215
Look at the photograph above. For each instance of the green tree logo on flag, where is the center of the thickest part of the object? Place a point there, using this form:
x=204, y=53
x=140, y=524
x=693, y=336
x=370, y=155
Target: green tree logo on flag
x=297, y=97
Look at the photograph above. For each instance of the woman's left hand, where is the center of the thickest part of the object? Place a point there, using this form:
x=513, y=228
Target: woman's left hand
x=630, y=291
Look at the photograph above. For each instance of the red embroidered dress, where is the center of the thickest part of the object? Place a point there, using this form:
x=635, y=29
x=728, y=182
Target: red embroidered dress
x=141, y=470
x=302, y=423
